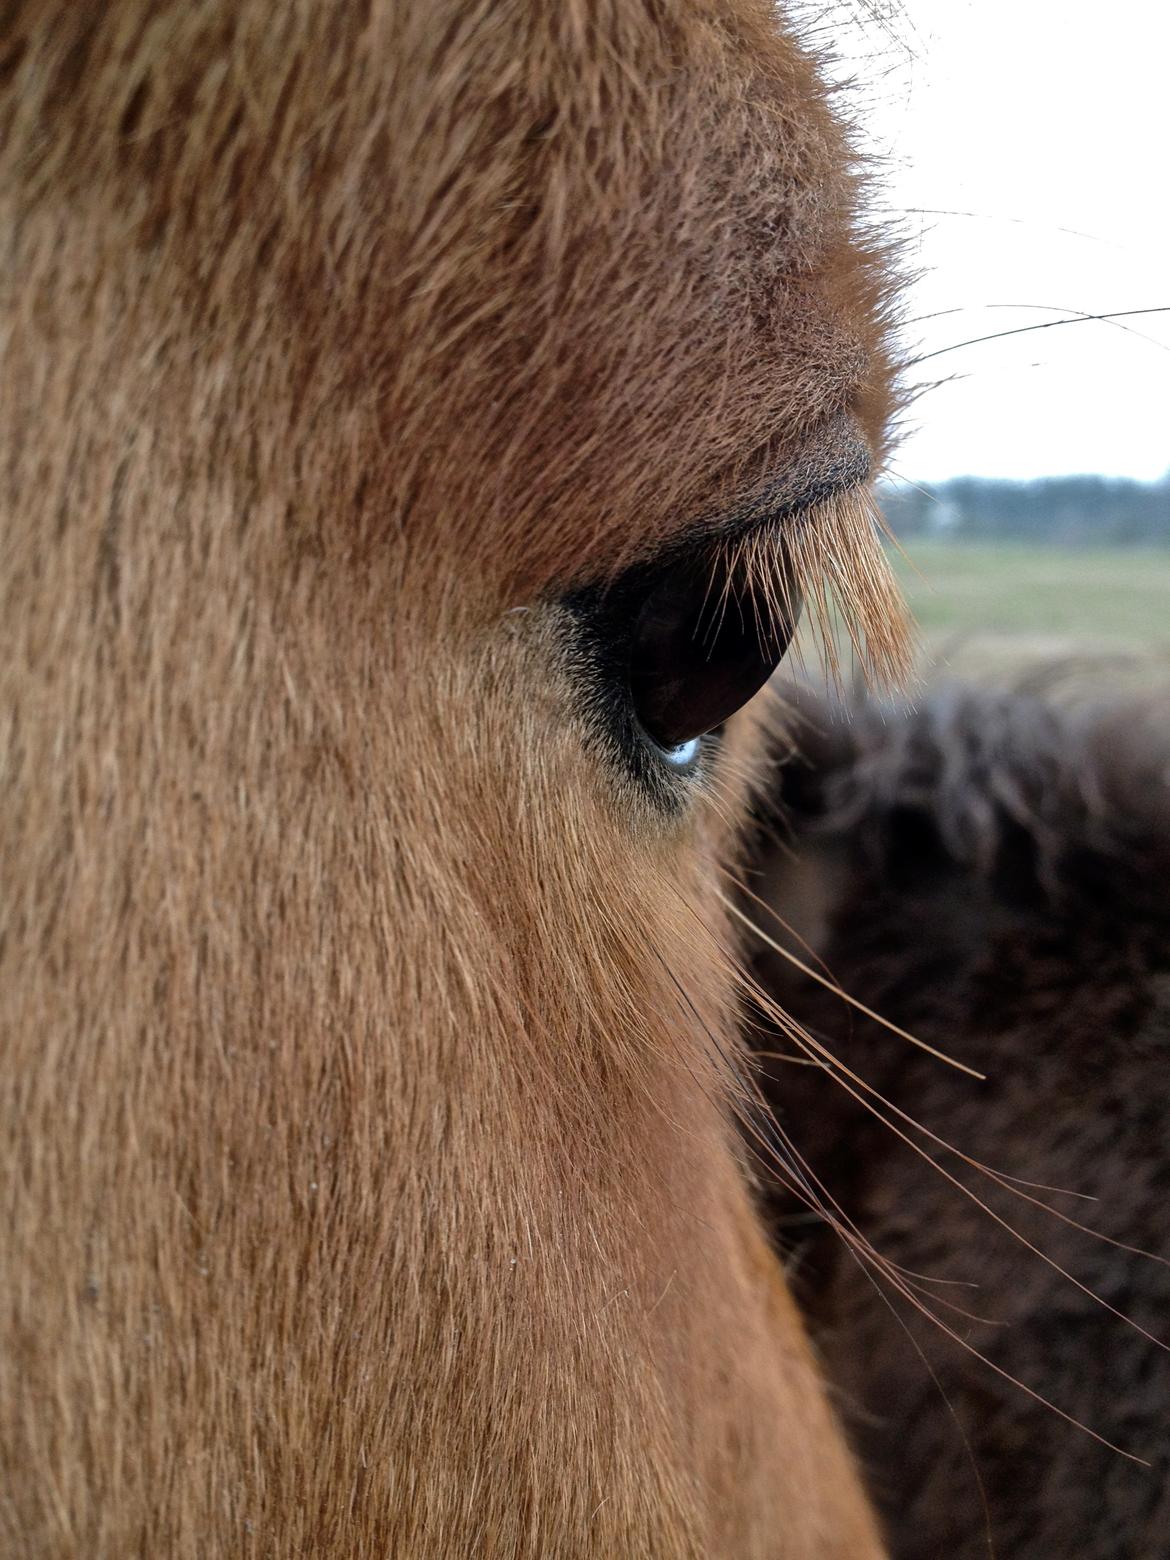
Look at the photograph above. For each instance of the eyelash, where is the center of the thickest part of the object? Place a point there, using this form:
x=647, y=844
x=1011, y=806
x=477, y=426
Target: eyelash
x=674, y=647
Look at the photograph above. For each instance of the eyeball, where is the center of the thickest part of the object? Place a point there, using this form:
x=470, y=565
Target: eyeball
x=706, y=638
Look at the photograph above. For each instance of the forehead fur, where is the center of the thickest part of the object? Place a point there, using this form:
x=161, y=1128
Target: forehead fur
x=528, y=286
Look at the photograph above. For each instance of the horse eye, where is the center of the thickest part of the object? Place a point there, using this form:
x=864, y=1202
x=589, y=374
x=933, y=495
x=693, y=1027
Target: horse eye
x=701, y=645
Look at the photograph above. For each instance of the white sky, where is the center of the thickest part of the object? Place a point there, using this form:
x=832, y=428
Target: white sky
x=1051, y=123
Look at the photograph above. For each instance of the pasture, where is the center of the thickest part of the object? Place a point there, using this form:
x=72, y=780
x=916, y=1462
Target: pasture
x=1096, y=619
x=1102, y=596
x=1092, y=619
x=1089, y=619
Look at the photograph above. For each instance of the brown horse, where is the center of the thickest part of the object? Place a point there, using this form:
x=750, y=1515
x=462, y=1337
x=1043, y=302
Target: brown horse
x=395, y=394
x=988, y=872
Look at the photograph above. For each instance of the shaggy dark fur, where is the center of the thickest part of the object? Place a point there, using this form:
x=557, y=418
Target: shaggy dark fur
x=990, y=875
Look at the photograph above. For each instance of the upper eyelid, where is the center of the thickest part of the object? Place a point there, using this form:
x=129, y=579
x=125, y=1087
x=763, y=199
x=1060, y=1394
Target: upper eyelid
x=833, y=461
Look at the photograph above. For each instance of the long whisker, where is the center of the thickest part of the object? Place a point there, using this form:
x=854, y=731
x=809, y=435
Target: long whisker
x=847, y=1079
x=1023, y=330
x=1053, y=308
x=807, y=969
x=1010, y=1183
x=840, y=1222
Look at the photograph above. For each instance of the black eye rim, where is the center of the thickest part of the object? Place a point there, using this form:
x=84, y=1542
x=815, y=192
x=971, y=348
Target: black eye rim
x=604, y=617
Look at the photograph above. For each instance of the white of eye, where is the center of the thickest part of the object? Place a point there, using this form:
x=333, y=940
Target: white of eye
x=683, y=755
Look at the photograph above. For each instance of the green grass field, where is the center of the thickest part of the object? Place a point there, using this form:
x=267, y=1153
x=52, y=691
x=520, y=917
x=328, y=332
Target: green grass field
x=1102, y=597
x=1092, y=619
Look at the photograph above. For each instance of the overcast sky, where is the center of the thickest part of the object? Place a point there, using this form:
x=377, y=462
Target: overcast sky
x=1050, y=124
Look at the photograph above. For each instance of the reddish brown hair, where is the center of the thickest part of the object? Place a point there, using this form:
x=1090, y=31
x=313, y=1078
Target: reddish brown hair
x=373, y=1186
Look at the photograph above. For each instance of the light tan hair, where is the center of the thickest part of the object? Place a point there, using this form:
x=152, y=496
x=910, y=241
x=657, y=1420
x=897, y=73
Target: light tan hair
x=371, y=1178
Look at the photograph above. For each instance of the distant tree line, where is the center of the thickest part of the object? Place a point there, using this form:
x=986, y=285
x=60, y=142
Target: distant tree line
x=1105, y=511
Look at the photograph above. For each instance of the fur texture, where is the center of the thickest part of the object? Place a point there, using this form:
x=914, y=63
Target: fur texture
x=989, y=873
x=370, y=1181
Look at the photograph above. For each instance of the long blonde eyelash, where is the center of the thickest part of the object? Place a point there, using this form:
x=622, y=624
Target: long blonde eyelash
x=833, y=560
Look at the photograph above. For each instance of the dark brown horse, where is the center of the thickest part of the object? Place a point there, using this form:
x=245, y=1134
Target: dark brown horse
x=991, y=875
